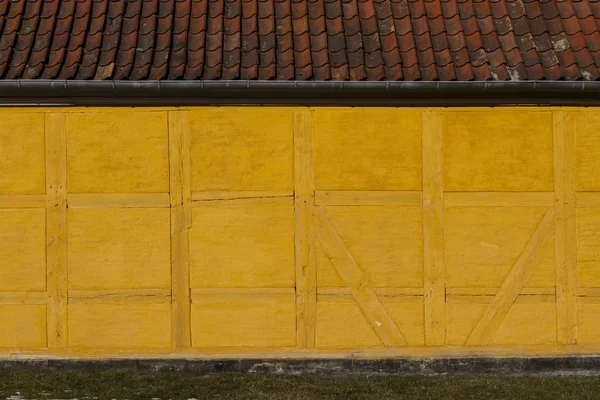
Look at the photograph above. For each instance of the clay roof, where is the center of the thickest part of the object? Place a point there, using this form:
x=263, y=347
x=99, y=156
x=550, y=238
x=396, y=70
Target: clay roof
x=300, y=39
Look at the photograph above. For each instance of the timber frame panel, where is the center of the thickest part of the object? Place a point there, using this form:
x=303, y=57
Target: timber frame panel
x=561, y=218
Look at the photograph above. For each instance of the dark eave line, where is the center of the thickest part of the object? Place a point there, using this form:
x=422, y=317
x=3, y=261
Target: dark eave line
x=301, y=93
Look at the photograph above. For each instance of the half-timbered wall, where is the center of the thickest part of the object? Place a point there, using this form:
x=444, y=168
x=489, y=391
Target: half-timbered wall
x=285, y=231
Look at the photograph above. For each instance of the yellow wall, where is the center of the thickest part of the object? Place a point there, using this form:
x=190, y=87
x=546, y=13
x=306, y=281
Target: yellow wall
x=298, y=231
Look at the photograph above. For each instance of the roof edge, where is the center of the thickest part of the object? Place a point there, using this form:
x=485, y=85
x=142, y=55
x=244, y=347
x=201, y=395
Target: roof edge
x=309, y=93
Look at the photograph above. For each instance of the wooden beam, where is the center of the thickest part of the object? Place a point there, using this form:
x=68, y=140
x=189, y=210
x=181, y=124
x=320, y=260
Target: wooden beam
x=127, y=200
x=304, y=209
x=276, y=353
x=368, y=198
x=588, y=300
x=491, y=291
x=389, y=295
x=249, y=295
x=381, y=291
x=353, y=277
x=240, y=195
x=499, y=199
x=434, y=283
x=23, y=298
x=181, y=220
x=588, y=292
x=133, y=296
x=487, y=299
x=565, y=244
x=493, y=316
x=56, y=229
x=22, y=201
x=251, y=291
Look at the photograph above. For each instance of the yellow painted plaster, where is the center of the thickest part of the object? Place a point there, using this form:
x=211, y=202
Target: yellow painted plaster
x=293, y=238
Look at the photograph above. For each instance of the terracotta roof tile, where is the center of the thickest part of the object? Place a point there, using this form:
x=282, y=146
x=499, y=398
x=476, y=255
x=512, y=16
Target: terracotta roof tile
x=429, y=73
x=582, y=8
x=300, y=39
x=521, y=72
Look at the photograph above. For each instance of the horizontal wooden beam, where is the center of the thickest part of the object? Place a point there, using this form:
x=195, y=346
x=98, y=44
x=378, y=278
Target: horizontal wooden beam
x=588, y=291
x=498, y=199
x=322, y=353
x=487, y=299
x=240, y=195
x=22, y=298
x=126, y=200
x=485, y=291
x=368, y=198
x=588, y=300
x=218, y=295
x=242, y=291
x=404, y=299
x=22, y=201
x=381, y=291
x=133, y=296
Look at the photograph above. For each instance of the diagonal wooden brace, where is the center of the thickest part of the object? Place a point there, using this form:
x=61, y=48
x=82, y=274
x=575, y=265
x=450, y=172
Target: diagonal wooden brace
x=353, y=277
x=493, y=316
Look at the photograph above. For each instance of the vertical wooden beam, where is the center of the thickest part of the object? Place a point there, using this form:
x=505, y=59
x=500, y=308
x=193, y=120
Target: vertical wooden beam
x=56, y=229
x=434, y=286
x=181, y=221
x=565, y=229
x=304, y=204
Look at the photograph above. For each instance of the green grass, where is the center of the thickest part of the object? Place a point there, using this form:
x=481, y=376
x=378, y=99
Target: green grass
x=184, y=385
